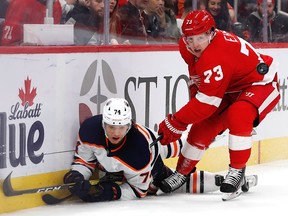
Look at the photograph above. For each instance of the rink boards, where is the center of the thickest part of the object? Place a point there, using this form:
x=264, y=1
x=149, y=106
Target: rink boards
x=47, y=93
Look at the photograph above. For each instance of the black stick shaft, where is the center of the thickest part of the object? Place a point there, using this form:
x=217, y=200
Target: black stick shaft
x=156, y=140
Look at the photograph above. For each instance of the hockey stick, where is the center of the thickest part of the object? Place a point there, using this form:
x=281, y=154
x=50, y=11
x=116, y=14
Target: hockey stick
x=156, y=140
x=52, y=200
x=9, y=191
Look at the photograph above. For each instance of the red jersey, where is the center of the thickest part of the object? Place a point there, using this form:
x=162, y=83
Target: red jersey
x=227, y=65
x=22, y=12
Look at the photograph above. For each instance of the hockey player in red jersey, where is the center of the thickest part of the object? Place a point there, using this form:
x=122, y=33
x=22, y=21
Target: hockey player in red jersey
x=119, y=147
x=232, y=87
x=21, y=12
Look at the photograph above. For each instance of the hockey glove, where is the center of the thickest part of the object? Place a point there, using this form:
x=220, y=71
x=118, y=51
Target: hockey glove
x=171, y=129
x=81, y=187
x=105, y=191
x=73, y=176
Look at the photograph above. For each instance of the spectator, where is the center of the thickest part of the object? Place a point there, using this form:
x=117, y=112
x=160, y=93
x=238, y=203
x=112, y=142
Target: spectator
x=156, y=18
x=187, y=8
x=87, y=22
x=122, y=2
x=231, y=12
x=220, y=12
x=114, y=23
x=21, y=12
x=80, y=7
x=181, y=6
x=162, y=24
x=277, y=24
x=3, y=8
x=67, y=6
x=173, y=5
x=133, y=21
x=245, y=8
x=284, y=6
x=172, y=29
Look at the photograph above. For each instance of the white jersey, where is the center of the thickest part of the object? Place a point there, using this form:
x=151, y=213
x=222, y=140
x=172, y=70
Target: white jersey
x=133, y=158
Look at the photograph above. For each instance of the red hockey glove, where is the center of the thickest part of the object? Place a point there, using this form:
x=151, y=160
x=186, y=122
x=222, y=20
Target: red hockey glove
x=171, y=129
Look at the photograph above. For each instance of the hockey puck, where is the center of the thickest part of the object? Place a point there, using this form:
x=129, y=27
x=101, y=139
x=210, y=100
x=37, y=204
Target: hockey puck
x=262, y=68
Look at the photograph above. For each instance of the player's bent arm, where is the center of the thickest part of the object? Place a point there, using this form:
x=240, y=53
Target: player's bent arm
x=84, y=160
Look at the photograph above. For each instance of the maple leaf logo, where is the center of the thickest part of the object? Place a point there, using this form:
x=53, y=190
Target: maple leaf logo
x=27, y=95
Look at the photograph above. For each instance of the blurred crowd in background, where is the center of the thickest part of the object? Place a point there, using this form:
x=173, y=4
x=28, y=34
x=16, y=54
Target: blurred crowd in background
x=113, y=22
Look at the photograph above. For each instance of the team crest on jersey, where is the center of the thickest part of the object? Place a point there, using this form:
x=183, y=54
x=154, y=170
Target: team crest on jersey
x=194, y=80
x=249, y=94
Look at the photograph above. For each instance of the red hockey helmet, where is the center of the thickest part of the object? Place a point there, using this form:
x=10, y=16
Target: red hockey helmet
x=197, y=22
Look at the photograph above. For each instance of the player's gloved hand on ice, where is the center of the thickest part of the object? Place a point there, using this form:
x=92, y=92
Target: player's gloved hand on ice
x=81, y=187
x=105, y=191
x=171, y=129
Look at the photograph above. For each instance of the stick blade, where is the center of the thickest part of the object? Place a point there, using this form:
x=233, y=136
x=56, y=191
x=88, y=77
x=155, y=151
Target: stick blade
x=7, y=187
x=51, y=200
x=156, y=140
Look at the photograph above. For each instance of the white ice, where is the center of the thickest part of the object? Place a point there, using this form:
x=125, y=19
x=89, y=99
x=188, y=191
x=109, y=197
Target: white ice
x=269, y=197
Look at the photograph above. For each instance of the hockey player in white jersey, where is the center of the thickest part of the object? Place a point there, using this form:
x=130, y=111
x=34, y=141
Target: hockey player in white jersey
x=116, y=145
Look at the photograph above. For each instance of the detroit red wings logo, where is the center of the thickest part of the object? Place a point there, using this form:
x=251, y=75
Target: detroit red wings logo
x=194, y=80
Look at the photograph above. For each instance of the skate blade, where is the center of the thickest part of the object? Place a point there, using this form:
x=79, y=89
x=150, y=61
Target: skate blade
x=230, y=196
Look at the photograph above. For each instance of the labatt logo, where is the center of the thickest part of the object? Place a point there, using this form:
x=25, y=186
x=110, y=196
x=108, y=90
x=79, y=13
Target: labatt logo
x=27, y=97
x=30, y=140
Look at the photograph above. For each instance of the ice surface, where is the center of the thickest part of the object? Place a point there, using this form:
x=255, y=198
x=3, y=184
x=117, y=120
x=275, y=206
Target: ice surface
x=269, y=196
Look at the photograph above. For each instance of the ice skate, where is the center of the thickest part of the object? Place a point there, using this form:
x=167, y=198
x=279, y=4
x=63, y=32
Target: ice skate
x=173, y=182
x=232, y=184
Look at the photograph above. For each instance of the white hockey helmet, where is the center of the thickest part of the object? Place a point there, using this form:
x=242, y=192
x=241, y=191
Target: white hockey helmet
x=117, y=111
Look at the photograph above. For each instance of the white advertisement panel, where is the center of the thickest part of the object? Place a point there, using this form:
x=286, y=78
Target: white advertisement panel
x=45, y=97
